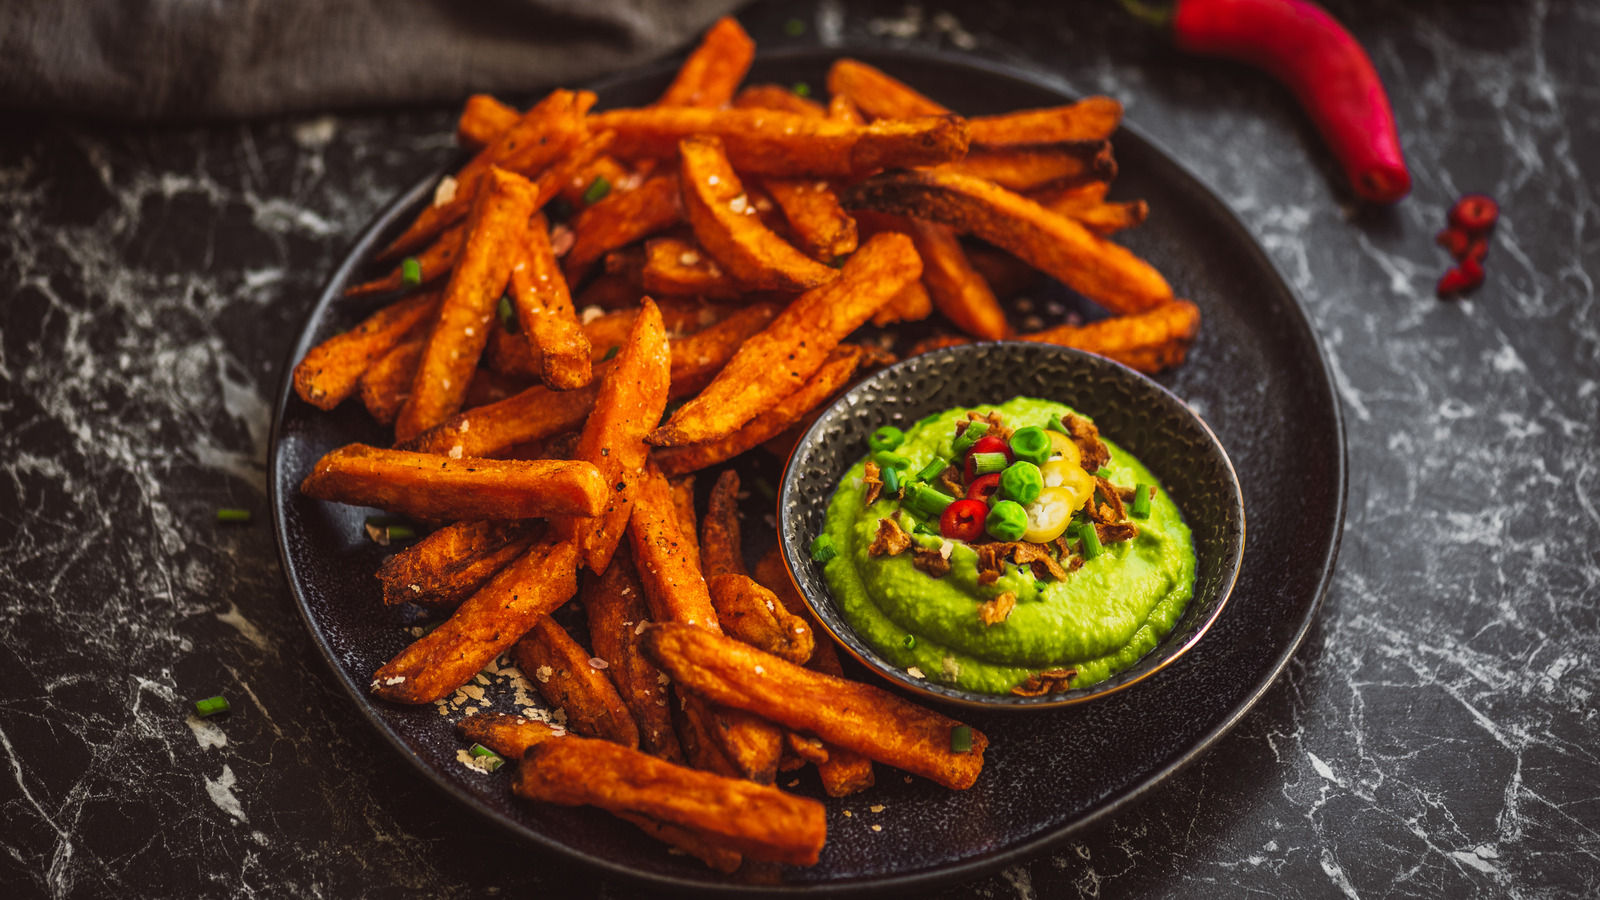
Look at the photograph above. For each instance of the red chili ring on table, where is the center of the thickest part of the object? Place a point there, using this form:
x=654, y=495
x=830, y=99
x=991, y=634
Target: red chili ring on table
x=963, y=520
x=983, y=487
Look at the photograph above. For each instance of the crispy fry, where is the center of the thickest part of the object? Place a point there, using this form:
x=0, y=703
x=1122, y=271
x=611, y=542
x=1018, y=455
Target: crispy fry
x=707, y=848
x=622, y=218
x=842, y=109
x=750, y=743
x=726, y=226
x=668, y=570
x=776, y=96
x=509, y=353
x=483, y=119
x=618, y=176
x=615, y=605
x=807, y=749
x=538, y=413
x=1090, y=119
x=632, y=396
x=681, y=268
x=954, y=286
x=834, y=373
x=912, y=304
x=752, y=614
x=713, y=71
x=1149, y=341
x=499, y=223
x=450, y=565
x=721, y=550
x=774, y=363
x=568, y=679
x=1087, y=204
x=683, y=501
x=433, y=262
x=387, y=382
x=821, y=226
x=761, y=822
x=1104, y=272
x=483, y=627
x=435, y=487
x=876, y=93
x=544, y=309
x=544, y=134
x=859, y=717
x=331, y=371
x=765, y=142
x=1031, y=168
x=696, y=726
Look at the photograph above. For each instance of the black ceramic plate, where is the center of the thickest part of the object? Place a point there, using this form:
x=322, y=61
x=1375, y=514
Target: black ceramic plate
x=1255, y=374
x=1129, y=410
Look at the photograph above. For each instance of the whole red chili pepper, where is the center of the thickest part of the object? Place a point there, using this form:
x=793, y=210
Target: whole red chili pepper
x=1313, y=55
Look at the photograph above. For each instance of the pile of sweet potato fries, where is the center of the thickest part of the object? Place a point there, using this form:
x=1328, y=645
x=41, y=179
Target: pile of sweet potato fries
x=543, y=440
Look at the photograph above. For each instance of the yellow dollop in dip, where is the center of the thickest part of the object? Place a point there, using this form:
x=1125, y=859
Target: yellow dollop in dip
x=1100, y=620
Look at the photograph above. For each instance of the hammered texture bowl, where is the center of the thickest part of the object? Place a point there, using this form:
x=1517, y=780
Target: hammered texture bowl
x=1130, y=409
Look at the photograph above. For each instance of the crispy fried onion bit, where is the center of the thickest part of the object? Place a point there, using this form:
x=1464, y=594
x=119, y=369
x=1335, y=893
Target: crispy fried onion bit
x=1111, y=517
x=992, y=560
x=997, y=424
x=997, y=609
x=890, y=539
x=872, y=477
x=933, y=561
x=1050, y=681
x=1084, y=433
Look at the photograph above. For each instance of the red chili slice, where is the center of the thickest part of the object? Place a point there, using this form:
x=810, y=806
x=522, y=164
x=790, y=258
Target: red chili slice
x=1454, y=240
x=983, y=487
x=1474, y=213
x=963, y=520
x=989, y=444
x=1462, y=278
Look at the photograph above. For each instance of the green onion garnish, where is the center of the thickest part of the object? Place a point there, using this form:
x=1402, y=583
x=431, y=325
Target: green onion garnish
x=508, y=319
x=1103, y=472
x=961, y=739
x=822, y=548
x=211, y=706
x=229, y=514
x=886, y=438
x=988, y=463
x=598, y=189
x=910, y=642
x=925, y=502
x=1055, y=425
x=611, y=354
x=492, y=759
x=1141, y=500
x=1088, y=540
x=891, y=480
x=924, y=528
x=969, y=437
x=801, y=89
x=401, y=532
x=888, y=460
x=410, y=272
x=932, y=469
x=794, y=27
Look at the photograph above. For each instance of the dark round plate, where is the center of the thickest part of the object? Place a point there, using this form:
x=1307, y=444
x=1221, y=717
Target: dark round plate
x=1128, y=408
x=1256, y=375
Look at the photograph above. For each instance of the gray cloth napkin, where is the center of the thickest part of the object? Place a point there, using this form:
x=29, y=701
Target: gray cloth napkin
x=145, y=59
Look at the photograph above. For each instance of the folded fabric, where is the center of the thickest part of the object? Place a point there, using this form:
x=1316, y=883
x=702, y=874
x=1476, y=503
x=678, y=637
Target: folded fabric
x=146, y=59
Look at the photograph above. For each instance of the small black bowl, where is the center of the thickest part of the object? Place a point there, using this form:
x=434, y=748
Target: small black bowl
x=1130, y=409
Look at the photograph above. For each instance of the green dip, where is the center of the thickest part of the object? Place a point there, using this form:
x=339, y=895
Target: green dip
x=1099, y=621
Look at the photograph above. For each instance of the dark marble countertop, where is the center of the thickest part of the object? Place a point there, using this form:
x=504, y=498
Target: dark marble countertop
x=1437, y=735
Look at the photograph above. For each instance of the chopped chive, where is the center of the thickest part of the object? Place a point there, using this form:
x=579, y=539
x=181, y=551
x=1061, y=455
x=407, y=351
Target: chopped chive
x=888, y=460
x=801, y=89
x=886, y=438
x=611, y=354
x=961, y=739
x=1103, y=472
x=910, y=642
x=926, y=503
x=932, y=470
x=410, y=272
x=1088, y=540
x=988, y=463
x=969, y=437
x=492, y=759
x=401, y=532
x=925, y=528
x=1055, y=425
x=1141, y=500
x=822, y=548
x=794, y=27
x=508, y=319
x=211, y=706
x=891, y=481
x=229, y=514
x=598, y=189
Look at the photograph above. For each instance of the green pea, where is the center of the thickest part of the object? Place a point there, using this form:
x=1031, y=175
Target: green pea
x=1007, y=521
x=886, y=438
x=1031, y=444
x=1022, y=482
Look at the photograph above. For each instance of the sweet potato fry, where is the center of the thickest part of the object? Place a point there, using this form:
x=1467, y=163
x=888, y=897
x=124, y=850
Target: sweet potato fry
x=1090, y=119
x=1149, y=341
x=544, y=310
x=834, y=373
x=1104, y=272
x=683, y=501
x=544, y=134
x=912, y=304
x=954, y=286
x=713, y=71
x=386, y=384
x=751, y=744
x=877, y=94
x=615, y=605
x=726, y=225
x=778, y=97
x=483, y=119
x=681, y=268
x=331, y=370
x=538, y=413
x=765, y=142
x=1087, y=205
x=567, y=678
x=433, y=262
x=499, y=223
x=697, y=724
x=750, y=613
x=509, y=353
x=1031, y=168
x=618, y=176
x=435, y=487
x=855, y=716
x=842, y=109
x=774, y=363
x=632, y=396
x=450, y=565
x=622, y=218
x=483, y=627
x=668, y=570
x=821, y=226
x=759, y=821
x=721, y=550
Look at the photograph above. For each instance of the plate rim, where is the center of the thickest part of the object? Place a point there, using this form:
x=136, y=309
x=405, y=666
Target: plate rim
x=356, y=256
